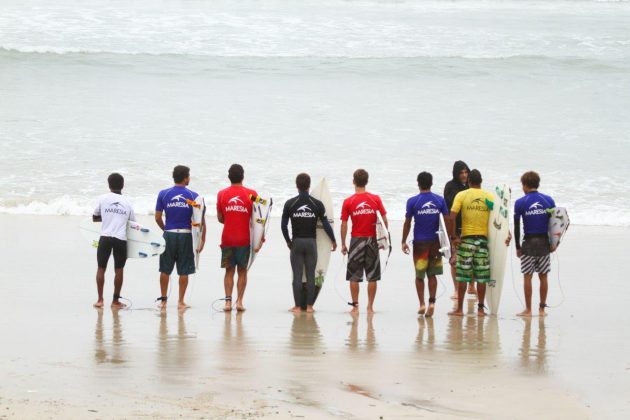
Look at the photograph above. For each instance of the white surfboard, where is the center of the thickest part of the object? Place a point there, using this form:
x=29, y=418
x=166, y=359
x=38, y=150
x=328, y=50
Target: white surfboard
x=498, y=231
x=445, y=243
x=324, y=245
x=261, y=211
x=142, y=242
x=199, y=211
x=558, y=224
x=383, y=239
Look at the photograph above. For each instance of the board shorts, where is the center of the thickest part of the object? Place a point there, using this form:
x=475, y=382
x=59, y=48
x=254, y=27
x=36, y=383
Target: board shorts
x=363, y=256
x=536, y=254
x=232, y=256
x=427, y=258
x=473, y=262
x=179, y=250
x=108, y=245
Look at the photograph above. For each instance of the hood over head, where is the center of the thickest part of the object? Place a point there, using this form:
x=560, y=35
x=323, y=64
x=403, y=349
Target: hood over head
x=457, y=168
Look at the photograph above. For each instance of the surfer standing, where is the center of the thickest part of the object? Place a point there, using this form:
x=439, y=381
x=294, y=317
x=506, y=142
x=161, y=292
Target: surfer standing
x=304, y=211
x=425, y=209
x=234, y=211
x=458, y=183
x=173, y=203
x=363, y=255
x=535, y=209
x=473, y=261
x=113, y=211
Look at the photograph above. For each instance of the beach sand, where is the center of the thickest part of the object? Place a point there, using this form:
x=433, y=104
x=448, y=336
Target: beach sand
x=61, y=358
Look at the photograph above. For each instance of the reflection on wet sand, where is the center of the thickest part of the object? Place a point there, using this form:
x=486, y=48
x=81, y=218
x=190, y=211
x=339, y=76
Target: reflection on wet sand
x=534, y=359
x=234, y=347
x=425, y=326
x=176, y=351
x=353, y=342
x=104, y=353
x=476, y=337
x=306, y=337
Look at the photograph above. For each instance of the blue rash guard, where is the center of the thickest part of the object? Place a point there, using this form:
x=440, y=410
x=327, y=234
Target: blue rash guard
x=534, y=208
x=425, y=208
x=172, y=201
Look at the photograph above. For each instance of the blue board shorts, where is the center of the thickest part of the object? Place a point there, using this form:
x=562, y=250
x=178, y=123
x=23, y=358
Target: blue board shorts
x=232, y=256
x=179, y=250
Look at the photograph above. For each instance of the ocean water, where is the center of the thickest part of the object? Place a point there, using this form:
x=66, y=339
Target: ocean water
x=396, y=87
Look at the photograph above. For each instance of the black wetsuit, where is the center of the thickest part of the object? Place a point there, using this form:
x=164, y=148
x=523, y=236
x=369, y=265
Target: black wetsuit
x=453, y=187
x=304, y=211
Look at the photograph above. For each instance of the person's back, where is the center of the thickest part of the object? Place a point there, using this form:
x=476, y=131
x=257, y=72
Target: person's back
x=534, y=208
x=425, y=208
x=174, y=202
x=235, y=204
x=304, y=211
x=115, y=211
x=475, y=206
x=361, y=209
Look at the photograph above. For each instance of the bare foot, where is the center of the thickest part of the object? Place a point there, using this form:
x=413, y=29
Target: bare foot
x=118, y=305
x=228, y=306
x=525, y=313
x=239, y=306
x=162, y=306
x=354, y=310
x=430, y=311
x=481, y=312
x=99, y=303
x=182, y=305
x=422, y=309
x=456, y=313
x=309, y=309
x=370, y=310
x=295, y=310
x=542, y=313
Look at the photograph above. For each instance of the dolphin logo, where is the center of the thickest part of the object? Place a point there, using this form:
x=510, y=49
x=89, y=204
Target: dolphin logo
x=536, y=205
x=305, y=207
x=477, y=200
x=178, y=197
x=363, y=204
x=116, y=204
x=235, y=200
x=428, y=204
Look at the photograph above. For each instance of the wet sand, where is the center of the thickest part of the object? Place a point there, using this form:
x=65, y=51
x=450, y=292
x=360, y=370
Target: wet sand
x=61, y=358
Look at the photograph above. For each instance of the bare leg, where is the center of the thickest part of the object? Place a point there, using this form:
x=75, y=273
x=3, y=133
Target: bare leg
x=118, y=282
x=432, y=291
x=164, y=278
x=228, y=285
x=481, y=294
x=544, y=287
x=183, y=285
x=372, y=286
x=461, y=293
x=354, y=292
x=527, y=289
x=455, y=285
x=471, y=288
x=309, y=309
x=420, y=291
x=100, y=283
x=240, y=288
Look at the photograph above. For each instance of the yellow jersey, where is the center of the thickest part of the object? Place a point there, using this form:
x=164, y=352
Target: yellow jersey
x=475, y=206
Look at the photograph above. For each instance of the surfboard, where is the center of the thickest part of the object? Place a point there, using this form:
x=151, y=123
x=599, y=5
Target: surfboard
x=383, y=239
x=321, y=192
x=261, y=210
x=445, y=243
x=199, y=210
x=558, y=224
x=498, y=231
x=142, y=242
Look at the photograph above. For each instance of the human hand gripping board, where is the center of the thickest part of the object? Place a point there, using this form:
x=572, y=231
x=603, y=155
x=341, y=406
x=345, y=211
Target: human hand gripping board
x=261, y=211
x=198, y=212
x=142, y=242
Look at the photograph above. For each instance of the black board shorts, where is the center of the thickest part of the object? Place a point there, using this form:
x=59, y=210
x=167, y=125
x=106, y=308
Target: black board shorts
x=363, y=257
x=107, y=246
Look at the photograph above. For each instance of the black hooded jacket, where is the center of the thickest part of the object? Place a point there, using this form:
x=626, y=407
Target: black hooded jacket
x=453, y=187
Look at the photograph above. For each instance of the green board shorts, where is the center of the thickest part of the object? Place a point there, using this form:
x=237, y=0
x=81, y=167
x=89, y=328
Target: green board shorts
x=179, y=250
x=232, y=256
x=473, y=262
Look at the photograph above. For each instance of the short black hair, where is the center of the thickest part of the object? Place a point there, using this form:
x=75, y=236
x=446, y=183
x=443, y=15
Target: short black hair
x=303, y=182
x=425, y=180
x=116, y=181
x=474, y=177
x=531, y=180
x=180, y=173
x=360, y=178
x=236, y=173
